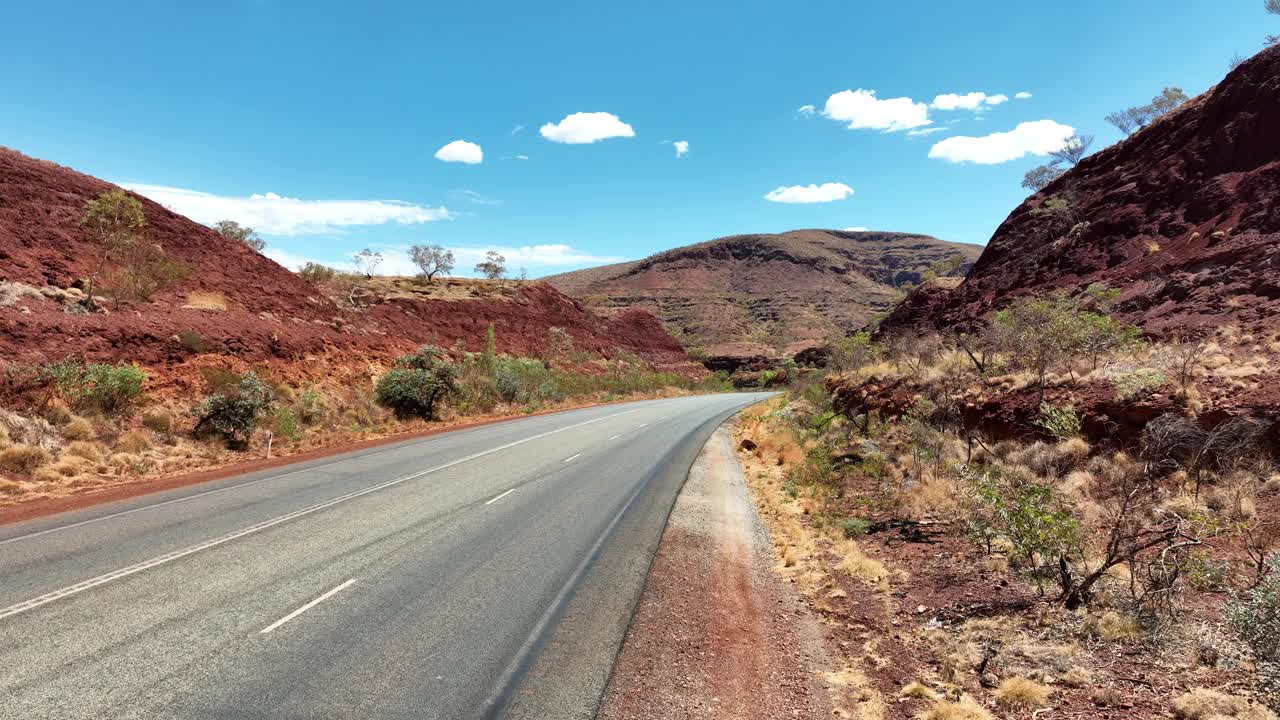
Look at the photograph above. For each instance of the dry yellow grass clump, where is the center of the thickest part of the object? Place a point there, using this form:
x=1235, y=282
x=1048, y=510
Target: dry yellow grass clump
x=1204, y=704
x=204, y=300
x=918, y=690
x=1019, y=693
x=77, y=428
x=23, y=459
x=133, y=442
x=966, y=709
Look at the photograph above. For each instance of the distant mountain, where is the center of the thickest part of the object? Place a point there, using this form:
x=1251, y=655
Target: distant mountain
x=749, y=297
x=1183, y=218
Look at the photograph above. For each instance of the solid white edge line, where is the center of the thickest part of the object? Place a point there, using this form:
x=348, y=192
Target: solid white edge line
x=177, y=554
x=571, y=458
x=496, y=498
x=306, y=607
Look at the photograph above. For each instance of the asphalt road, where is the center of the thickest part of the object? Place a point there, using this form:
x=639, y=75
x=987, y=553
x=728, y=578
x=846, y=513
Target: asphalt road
x=481, y=573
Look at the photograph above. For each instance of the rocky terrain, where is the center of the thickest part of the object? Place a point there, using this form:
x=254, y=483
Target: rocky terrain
x=1183, y=218
x=751, y=299
x=234, y=301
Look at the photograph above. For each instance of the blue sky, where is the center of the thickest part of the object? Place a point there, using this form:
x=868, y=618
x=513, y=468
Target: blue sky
x=337, y=105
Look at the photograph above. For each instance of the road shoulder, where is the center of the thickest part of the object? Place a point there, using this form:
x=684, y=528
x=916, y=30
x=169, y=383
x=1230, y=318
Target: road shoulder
x=717, y=633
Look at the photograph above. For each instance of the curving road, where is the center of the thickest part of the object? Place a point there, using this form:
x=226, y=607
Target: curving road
x=480, y=573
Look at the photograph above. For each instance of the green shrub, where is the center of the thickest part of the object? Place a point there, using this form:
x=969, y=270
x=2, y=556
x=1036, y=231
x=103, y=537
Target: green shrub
x=285, y=424
x=1060, y=421
x=233, y=411
x=102, y=387
x=417, y=382
x=311, y=406
x=315, y=273
x=1033, y=516
x=855, y=527
x=191, y=340
x=1255, y=617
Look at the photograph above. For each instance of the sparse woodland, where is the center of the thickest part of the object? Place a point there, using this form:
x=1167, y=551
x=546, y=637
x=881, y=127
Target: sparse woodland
x=988, y=535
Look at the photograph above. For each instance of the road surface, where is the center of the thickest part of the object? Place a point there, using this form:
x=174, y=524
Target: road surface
x=481, y=573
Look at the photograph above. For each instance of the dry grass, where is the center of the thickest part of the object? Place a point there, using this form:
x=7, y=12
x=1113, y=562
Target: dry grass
x=11, y=488
x=1113, y=627
x=133, y=442
x=77, y=428
x=1204, y=704
x=204, y=300
x=859, y=565
x=965, y=709
x=4, y=440
x=23, y=459
x=158, y=419
x=1018, y=693
x=87, y=450
x=918, y=690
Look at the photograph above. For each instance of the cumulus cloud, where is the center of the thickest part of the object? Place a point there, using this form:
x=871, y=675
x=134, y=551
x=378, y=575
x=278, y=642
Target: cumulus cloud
x=1040, y=137
x=861, y=109
x=855, y=229
x=826, y=192
x=806, y=110
x=582, y=128
x=272, y=214
x=682, y=147
x=461, y=151
x=968, y=101
x=1024, y=95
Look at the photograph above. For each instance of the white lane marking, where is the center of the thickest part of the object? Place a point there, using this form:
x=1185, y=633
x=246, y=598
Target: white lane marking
x=405, y=444
x=177, y=554
x=306, y=607
x=615, y=437
x=643, y=425
x=571, y=458
x=499, y=497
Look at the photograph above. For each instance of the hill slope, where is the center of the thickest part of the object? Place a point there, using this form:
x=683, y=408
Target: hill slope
x=766, y=295
x=239, y=303
x=1183, y=218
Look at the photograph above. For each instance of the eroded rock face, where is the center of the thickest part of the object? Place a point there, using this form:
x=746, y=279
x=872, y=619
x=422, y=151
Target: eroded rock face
x=1183, y=218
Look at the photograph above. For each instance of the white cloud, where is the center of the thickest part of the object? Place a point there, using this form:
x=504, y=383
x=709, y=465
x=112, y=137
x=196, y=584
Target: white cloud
x=806, y=110
x=582, y=128
x=517, y=129
x=682, y=147
x=968, y=101
x=474, y=197
x=1024, y=95
x=1036, y=138
x=927, y=131
x=855, y=229
x=396, y=260
x=826, y=192
x=272, y=214
x=863, y=110
x=461, y=151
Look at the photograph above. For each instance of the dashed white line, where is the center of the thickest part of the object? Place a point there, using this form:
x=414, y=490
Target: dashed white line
x=643, y=425
x=615, y=437
x=571, y=458
x=499, y=497
x=305, y=608
x=191, y=550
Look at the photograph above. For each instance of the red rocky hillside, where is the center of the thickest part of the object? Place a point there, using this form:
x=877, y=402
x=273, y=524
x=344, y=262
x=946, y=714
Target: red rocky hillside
x=239, y=303
x=1183, y=218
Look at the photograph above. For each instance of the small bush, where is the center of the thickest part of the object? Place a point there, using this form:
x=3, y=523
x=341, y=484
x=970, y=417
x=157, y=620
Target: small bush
x=159, y=420
x=134, y=442
x=87, y=450
x=420, y=379
x=315, y=273
x=192, y=341
x=918, y=690
x=1060, y=421
x=102, y=387
x=233, y=412
x=966, y=709
x=311, y=407
x=285, y=424
x=855, y=527
x=23, y=459
x=1139, y=382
